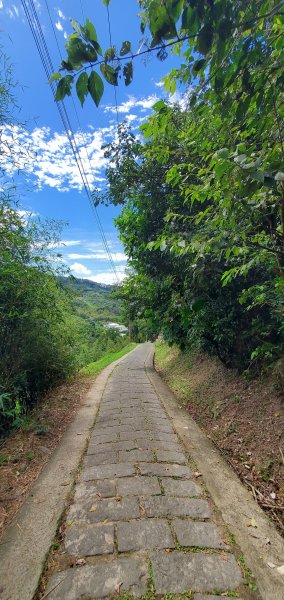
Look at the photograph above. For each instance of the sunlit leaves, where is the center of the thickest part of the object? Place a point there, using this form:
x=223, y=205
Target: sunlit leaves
x=125, y=48
x=95, y=87
x=82, y=87
x=110, y=74
x=128, y=73
x=55, y=77
x=161, y=22
x=64, y=87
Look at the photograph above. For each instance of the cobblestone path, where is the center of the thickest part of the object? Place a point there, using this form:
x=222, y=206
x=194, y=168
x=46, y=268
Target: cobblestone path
x=139, y=519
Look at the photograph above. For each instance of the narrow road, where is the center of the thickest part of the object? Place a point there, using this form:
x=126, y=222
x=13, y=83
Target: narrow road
x=139, y=520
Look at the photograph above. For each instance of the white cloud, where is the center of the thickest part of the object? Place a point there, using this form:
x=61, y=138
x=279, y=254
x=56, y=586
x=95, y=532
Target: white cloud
x=1, y=4
x=108, y=278
x=61, y=14
x=12, y=11
x=63, y=243
x=48, y=158
x=80, y=269
x=58, y=26
x=70, y=242
x=144, y=104
x=117, y=257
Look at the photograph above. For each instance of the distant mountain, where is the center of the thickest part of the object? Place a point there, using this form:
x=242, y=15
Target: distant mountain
x=93, y=301
x=86, y=284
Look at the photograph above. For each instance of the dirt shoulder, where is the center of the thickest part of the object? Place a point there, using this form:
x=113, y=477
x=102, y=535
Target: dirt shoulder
x=245, y=419
x=24, y=453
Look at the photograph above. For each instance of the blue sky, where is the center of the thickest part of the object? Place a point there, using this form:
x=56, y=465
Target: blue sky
x=53, y=187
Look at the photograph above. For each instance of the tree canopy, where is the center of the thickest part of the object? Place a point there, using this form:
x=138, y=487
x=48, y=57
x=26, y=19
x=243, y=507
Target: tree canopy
x=202, y=193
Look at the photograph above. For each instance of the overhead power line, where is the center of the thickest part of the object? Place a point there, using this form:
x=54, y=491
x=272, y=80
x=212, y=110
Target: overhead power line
x=110, y=43
x=41, y=45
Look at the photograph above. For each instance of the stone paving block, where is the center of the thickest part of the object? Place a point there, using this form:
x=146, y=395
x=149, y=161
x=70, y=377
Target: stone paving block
x=113, y=429
x=100, y=510
x=166, y=437
x=138, y=486
x=160, y=506
x=191, y=533
x=165, y=470
x=135, y=456
x=210, y=597
x=100, y=581
x=132, y=420
x=100, y=458
x=89, y=540
x=134, y=435
x=107, y=471
x=95, y=489
x=177, y=571
x=132, y=414
x=107, y=423
x=112, y=447
x=97, y=438
x=146, y=533
x=165, y=446
x=168, y=455
x=181, y=487
x=158, y=427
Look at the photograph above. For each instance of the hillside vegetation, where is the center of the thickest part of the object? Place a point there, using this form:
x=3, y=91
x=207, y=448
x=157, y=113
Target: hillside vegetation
x=234, y=412
x=48, y=330
x=92, y=300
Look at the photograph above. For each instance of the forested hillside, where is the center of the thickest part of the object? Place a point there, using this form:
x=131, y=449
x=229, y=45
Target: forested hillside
x=48, y=330
x=93, y=300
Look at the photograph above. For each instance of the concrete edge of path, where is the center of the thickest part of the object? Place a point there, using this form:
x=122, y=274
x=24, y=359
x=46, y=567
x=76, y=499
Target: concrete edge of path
x=255, y=534
x=25, y=546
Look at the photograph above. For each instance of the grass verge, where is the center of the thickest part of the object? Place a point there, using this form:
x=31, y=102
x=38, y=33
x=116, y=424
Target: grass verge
x=98, y=365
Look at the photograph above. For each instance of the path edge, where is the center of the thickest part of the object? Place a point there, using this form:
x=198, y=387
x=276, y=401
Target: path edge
x=27, y=541
x=237, y=507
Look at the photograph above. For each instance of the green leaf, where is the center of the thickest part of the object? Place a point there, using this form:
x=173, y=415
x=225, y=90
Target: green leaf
x=106, y=2
x=258, y=176
x=189, y=21
x=160, y=106
x=54, y=77
x=128, y=73
x=95, y=87
x=198, y=304
x=79, y=53
x=125, y=48
x=90, y=33
x=198, y=65
x=205, y=38
x=82, y=87
x=222, y=167
x=64, y=87
x=109, y=74
x=223, y=153
x=174, y=8
x=161, y=24
x=110, y=53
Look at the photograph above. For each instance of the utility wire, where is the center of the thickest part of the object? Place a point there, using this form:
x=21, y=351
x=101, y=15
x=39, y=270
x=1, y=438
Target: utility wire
x=36, y=30
x=94, y=208
x=110, y=43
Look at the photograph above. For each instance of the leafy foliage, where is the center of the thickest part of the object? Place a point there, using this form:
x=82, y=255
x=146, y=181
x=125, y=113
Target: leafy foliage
x=47, y=333
x=221, y=45
x=204, y=236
